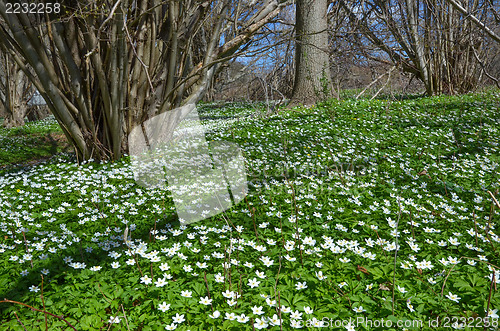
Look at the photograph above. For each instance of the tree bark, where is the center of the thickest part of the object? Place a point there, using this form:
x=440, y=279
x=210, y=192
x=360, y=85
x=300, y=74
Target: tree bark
x=312, y=66
x=12, y=86
x=423, y=64
x=476, y=21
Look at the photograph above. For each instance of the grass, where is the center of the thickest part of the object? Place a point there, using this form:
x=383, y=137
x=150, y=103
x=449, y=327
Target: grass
x=30, y=143
x=361, y=210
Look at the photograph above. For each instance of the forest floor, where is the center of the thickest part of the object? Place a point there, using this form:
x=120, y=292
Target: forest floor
x=360, y=215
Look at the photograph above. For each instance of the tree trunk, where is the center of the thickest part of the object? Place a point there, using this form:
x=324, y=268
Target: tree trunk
x=12, y=96
x=36, y=113
x=105, y=70
x=15, y=117
x=312, y=67
x=422, y=63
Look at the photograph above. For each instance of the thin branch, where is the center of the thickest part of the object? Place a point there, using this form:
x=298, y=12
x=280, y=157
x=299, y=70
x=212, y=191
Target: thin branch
x=395, y=256
x=40, y=310
x=376, y=80
x=494, y=199
x=137, y=56
x=110, y=16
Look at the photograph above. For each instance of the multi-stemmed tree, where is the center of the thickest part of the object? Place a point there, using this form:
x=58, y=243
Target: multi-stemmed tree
x=312, y=66
x=104, y=67
x=441, y=43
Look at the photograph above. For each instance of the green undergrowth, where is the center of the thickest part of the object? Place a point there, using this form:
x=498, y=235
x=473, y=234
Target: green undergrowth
x=357, y=211
x=30, y=143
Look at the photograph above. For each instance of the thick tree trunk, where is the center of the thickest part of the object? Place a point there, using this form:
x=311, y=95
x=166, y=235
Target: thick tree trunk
x=15, y=117
x=312, y=68
x=12, y=86
x=36, y=113
x=423, y=64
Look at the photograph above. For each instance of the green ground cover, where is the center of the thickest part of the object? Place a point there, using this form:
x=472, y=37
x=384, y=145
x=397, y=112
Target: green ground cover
x=361, y=210
x=30, y=143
